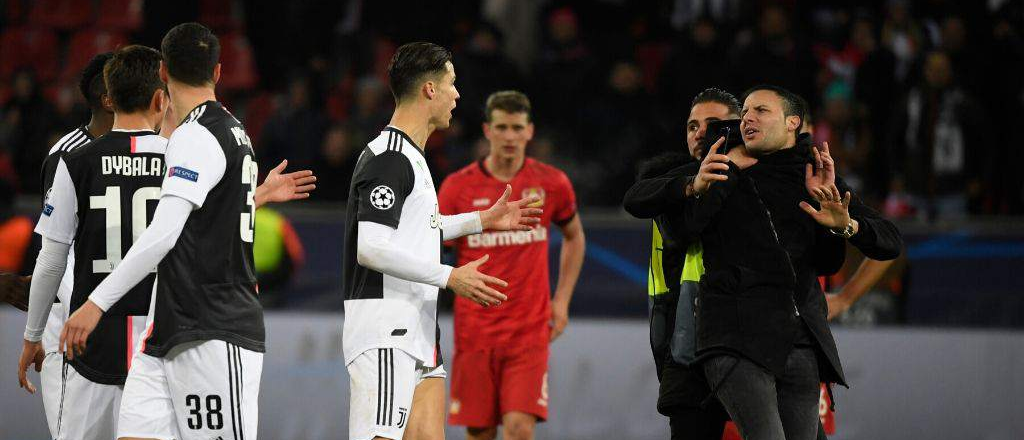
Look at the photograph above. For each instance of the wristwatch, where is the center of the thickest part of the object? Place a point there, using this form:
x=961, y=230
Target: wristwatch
x=846, y=232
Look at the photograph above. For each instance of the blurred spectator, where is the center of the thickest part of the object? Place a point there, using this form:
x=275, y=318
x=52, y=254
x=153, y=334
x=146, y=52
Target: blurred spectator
x=875, y=87
x=940, y=144
x=776, y=56
x=296, y=129
x=371, y=109
x=278, y=254
x=615, y=127
x=563, y=68
x=482, y=69
x=902, y=36
x=699, y=60
x=25, y=127
x=847, y=133
x=338, y=157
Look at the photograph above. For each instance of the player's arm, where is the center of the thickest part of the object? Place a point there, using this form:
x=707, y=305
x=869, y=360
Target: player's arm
x=570, y=262
x=502, y=216
x=196, y=163
x=866, y=276
x=57, y=225
x=653, y=196
x=146, y=252
x=14, y=290
x=279, y=187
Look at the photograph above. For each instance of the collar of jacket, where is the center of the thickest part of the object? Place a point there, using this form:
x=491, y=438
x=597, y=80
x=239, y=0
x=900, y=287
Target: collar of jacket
x=799, y=154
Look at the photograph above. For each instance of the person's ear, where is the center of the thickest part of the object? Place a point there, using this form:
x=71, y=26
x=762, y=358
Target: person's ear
x=107, y=103
x=216, y=73
x=429, y=89
x=163, y=72
x=792, y=122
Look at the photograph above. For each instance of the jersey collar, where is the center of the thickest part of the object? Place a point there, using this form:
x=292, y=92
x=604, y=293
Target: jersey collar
x=407, y=138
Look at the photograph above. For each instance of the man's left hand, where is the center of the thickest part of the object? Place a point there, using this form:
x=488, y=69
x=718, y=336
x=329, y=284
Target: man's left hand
x=511, y=216
x=77, y=329
x=837, y=304
x=820, y=176
x=14, y=290
x=559, y=319
x=835, y=210
x=279, y=187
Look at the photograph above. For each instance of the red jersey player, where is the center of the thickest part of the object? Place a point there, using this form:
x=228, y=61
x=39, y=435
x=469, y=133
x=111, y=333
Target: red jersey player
x=499, y=375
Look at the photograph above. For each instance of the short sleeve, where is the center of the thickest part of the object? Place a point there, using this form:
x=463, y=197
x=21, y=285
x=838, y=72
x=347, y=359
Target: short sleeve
x=382, y=186
x=59, y=220
x=195, y=164
x=565, y=206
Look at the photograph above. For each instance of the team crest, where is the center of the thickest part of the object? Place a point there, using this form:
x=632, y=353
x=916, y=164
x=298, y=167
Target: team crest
x=534, y=191
x=382, y=197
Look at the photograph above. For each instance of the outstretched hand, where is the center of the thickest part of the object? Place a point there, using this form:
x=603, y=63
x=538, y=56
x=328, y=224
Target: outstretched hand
x=511, y=216
x=835, y=210
x=279, y=187
x=467, y=282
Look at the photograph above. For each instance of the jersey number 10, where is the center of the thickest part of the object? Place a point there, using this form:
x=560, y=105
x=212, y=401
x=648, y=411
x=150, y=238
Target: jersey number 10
x=110, y=202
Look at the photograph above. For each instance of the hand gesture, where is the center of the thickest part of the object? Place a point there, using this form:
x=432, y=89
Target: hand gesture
x=511, y=216
x=468, y=282
x=559, y=319
x=820, y=176
x=835, y=211
x=710, y=167
x=31, y=353
x=14, y=290
x=77, y=329
x=279, y=187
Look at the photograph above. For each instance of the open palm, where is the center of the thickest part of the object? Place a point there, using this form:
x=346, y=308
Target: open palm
x=511, y=216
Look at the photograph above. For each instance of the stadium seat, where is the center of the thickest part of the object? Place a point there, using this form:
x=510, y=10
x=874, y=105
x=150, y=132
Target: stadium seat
x=86, y=44
x=61, y=14
x=237, y=68
x=120, y=15
x=28, y=47
x=219, y=15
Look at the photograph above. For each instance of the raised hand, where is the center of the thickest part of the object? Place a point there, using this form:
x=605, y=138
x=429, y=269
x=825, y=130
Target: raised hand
x=820, y=176
x=467, y=282
x=511, y=216
x=279, y=187
x=835, y=210
x=710, y=167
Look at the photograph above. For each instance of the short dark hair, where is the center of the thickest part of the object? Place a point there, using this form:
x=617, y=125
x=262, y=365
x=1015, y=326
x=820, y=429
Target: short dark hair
x=411, y=62
x=191, y=51
x=91, y=83
x=509, y=101
x=132, y=76
x=792, y=104
x=716, y=95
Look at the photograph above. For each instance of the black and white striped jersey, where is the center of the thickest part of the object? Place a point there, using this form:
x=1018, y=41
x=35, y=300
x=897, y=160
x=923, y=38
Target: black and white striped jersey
x=74, y=139
x=206, y=284
x=391, y=185
x=103, y=195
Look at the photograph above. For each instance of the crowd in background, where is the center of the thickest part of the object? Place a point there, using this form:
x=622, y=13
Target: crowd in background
x=919, y=100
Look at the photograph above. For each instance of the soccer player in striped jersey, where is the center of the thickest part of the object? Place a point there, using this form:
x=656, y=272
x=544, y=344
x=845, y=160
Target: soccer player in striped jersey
x=391, y=260
x=48, y=361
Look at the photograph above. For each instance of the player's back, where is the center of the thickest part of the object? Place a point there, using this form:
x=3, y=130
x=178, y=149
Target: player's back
x=116, y=180
x=207, y=284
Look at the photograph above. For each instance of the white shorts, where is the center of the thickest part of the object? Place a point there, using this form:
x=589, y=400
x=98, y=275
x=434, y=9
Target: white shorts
x=200, y=390
x=383, y=381
x=77, y=408
x=51, y=376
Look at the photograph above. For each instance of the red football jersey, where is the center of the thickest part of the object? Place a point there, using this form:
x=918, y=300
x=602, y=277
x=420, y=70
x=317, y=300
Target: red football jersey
x=518, y=257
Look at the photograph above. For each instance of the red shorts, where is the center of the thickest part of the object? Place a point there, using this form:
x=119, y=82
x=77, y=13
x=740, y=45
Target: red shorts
x=488, y=383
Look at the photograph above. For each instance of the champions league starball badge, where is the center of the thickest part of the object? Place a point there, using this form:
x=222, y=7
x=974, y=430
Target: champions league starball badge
x=382, y=197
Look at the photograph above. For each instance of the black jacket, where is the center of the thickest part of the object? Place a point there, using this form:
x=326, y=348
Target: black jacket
x=762, y=255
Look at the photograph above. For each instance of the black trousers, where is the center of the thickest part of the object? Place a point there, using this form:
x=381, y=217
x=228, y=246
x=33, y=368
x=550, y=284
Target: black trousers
x=766, y=407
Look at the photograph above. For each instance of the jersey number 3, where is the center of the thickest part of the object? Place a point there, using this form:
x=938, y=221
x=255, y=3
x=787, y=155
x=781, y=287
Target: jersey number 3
x=245, y=226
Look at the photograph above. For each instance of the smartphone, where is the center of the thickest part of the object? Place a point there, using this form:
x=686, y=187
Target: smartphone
x=727, y=128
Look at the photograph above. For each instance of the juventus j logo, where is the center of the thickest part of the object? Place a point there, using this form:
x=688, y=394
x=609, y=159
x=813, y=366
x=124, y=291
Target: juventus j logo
x=401, y=416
